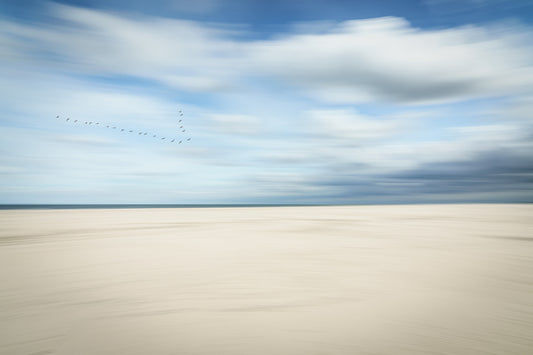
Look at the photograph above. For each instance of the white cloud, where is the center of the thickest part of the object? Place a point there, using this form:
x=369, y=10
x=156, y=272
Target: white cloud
x=382, y=59
x=263, y=119
x=233, y=124
x=386, y=59
x=352, y=126
x=179, y=53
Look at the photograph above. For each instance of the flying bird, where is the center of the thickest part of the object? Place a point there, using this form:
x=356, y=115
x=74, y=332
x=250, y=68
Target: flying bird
x=131, y=131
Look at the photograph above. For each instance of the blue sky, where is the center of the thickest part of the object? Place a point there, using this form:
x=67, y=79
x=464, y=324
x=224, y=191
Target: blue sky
x=341, y=102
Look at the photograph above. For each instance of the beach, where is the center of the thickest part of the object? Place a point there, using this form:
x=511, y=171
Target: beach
x=397, y=279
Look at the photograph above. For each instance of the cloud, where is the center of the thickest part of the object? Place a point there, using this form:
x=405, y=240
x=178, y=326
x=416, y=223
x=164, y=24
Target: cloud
x=387, y=60
x=177, y=53
x=484, y=163
x=383, y=59
x=92, y=141
x=492, y=176
x=233, y=124
x=488, y=173
x=317, y=114
x=348, y=125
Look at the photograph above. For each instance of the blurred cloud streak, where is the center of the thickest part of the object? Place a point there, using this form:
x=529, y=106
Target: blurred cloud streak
x=321, y=113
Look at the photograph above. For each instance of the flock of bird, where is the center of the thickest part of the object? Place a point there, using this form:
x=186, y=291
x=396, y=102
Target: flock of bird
x=180, y=129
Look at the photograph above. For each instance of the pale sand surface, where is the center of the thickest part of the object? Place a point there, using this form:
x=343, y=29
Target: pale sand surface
x=434, y=279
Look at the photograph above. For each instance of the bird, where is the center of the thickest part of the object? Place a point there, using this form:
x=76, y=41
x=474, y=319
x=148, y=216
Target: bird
x=131, y=131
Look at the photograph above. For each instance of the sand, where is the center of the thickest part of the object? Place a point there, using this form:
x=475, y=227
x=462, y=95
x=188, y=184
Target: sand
x=427, y=279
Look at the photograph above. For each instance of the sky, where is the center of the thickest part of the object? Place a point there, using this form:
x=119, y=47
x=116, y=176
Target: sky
x=284, y=102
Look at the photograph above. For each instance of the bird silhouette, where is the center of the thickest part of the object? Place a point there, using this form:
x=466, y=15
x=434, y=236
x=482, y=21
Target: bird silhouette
x=131, y=131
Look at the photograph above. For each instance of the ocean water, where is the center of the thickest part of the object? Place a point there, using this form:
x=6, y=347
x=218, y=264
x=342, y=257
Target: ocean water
x=135, y=206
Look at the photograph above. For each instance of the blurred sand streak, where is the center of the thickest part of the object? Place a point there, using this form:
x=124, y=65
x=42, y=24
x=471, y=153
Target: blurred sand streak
x=417, y=279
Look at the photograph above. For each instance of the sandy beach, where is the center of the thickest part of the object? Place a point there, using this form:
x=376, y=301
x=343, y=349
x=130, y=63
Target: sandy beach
x=416, y=279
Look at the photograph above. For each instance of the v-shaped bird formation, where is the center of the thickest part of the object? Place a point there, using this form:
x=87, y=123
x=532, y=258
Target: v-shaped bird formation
x=169, y=137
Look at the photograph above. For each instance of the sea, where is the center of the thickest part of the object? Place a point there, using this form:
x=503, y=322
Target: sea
x=135, y=206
